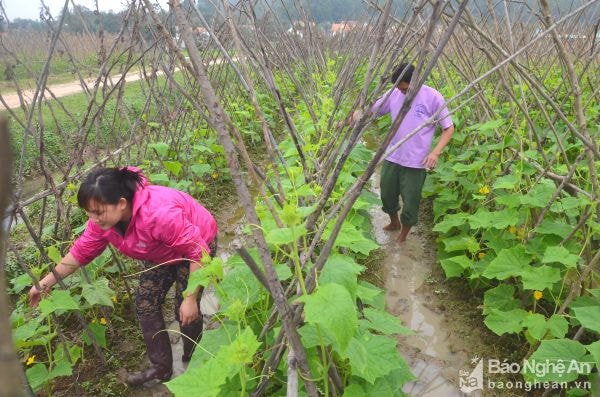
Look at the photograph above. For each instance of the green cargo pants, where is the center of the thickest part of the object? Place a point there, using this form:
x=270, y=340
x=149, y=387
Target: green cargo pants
x=399, y=181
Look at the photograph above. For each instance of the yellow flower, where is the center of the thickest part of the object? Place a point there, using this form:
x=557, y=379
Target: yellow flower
x=512, y=230
x=215, y=175
x=103, y=321
x=520, y=232
x=531, y=312
x=481, y=255
x=537, y=295
x=30, y=360
x=485, y=189
x=114, y=299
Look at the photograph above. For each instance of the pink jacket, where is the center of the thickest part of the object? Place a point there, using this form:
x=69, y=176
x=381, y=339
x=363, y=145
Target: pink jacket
x=166, y=224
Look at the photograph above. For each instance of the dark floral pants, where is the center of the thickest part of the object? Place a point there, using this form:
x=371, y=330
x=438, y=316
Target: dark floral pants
x=155, y=283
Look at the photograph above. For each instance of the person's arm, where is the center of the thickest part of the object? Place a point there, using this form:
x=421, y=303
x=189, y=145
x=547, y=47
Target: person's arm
x=380, y=107
x=186, y=239
x=66, y=267
x=432, y=158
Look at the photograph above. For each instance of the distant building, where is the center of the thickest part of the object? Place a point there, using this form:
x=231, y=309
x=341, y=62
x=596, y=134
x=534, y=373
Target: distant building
x=300, y=28
x=345, y=27
x=201, y=32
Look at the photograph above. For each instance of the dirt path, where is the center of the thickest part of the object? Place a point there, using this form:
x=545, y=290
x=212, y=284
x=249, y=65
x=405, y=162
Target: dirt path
x=406, y=270
x=12, y=100
x=60, y=90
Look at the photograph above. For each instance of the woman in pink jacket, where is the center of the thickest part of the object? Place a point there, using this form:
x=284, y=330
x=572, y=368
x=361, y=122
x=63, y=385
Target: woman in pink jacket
x=157, y=225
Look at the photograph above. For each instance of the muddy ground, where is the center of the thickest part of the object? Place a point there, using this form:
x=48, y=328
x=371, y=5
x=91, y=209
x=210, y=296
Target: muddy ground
x=445, y=314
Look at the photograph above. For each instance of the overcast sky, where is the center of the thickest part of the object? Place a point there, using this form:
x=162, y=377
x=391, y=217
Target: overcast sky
x=30, y=9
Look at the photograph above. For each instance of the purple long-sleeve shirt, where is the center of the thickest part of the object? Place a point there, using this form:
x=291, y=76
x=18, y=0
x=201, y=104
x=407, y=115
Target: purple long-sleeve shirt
x=412, y=152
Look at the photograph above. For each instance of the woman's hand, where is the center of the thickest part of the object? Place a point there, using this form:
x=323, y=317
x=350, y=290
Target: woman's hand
x=188, y=311
x=35, y=294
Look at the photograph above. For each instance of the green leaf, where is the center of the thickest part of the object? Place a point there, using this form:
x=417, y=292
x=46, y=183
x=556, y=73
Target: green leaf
x=456, y=265
x=352, y=238
x=450, y=221
x=211, y=342
x=536, y=324
x=54, y=254
x=174, y=167
x=61, y=368
x=37, y=376
x=285, y=235
x=371, y=295
x=500, y=298
x=539, y=278
x=384, y=323
x=559, y=254
x=506, y=182
x=239, y=284
x=484, y=219
x=354, y=390
x=201, y=169
x=205, y=380
x=558, y=326
x=372, y=356
x=291, y=216
x=21, y=282
x=488, y=125
x=469, y=167
x=504, y=218
x=508, y=200
x=481, y=219
x=588, y=316
x=161, y=148
x=283, y=271
x=98, y=293
x=27, y=331
x=208, y=378
x=332, y=308
x=207, y=274
x=594, y=349
x=242, y=350
x=509, y=263
x=540, y=195
x=557, y=228
x=341, y=270
x=503, y=322
x=566, y=360
x=461, y=243
x=311, y=337
x=58, y=300
x=99, y=333
x=160, y=179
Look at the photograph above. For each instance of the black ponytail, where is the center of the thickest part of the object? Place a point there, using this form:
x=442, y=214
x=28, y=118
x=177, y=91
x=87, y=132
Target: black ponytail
x=108, y=186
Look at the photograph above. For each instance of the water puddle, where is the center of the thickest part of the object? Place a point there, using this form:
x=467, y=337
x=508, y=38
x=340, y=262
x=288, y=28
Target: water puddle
x=407, y=268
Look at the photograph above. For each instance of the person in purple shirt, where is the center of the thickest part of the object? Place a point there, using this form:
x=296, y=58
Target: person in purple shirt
x=405, y=168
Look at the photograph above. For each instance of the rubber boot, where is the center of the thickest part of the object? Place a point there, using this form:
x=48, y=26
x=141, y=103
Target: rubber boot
x=193, y=333
x=158, y=346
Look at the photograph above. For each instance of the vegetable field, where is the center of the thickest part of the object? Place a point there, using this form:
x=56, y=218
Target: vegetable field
x=251, y=116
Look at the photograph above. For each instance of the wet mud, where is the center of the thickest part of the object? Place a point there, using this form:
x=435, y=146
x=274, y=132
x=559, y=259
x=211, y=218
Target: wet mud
x=406, y=270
